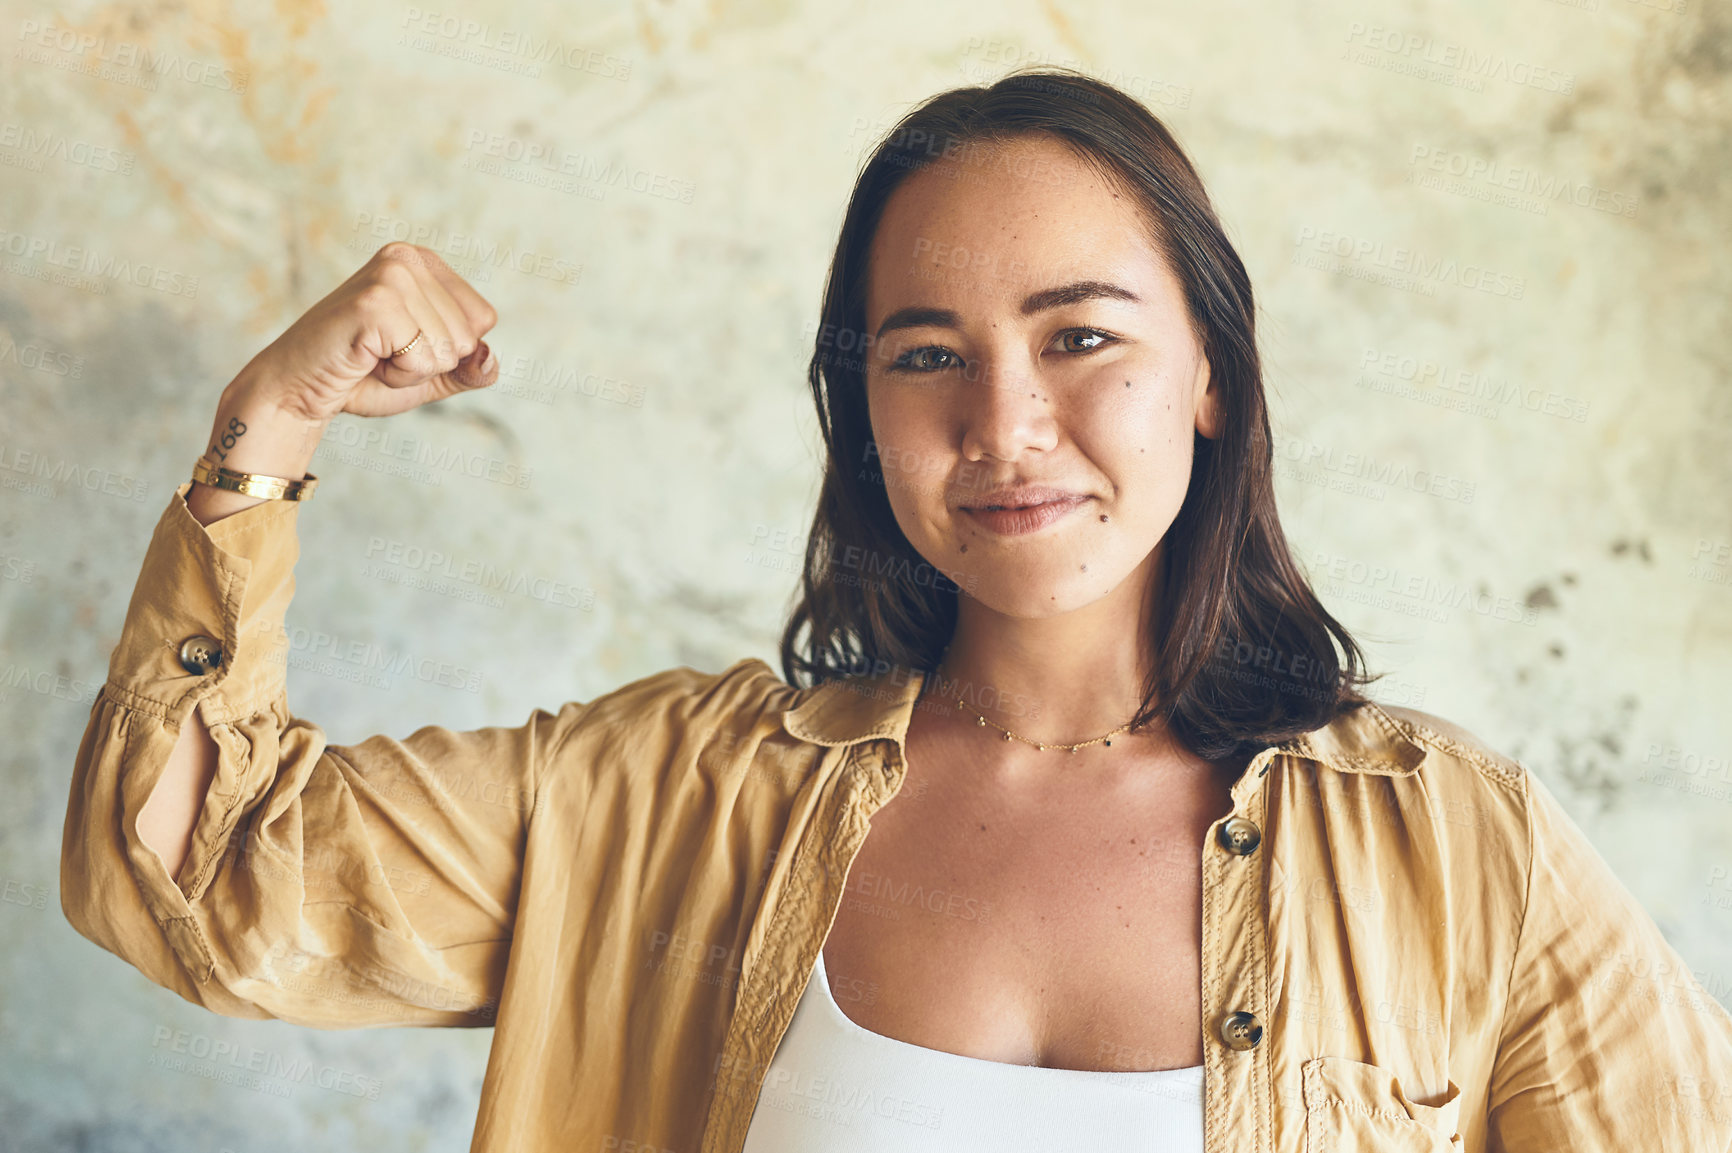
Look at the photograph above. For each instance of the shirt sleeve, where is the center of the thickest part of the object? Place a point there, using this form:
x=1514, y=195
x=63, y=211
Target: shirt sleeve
x=1609, y=1041
x=331, y=886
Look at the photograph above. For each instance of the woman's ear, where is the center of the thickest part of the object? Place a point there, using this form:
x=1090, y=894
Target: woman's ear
x=1206, y=399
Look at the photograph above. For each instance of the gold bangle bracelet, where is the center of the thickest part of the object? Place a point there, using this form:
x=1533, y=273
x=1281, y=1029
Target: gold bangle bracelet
x=252, y=483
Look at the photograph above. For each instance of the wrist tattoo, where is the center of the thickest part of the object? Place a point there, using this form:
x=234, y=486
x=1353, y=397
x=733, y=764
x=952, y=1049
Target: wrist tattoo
x=237, y=428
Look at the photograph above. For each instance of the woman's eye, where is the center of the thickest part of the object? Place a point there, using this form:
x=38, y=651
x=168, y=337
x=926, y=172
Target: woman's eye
x=1093, y=336
x=928, y=359
x=937, y=358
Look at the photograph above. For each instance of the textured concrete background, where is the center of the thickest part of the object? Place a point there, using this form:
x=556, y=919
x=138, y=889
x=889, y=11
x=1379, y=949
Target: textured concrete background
x=1514, y=483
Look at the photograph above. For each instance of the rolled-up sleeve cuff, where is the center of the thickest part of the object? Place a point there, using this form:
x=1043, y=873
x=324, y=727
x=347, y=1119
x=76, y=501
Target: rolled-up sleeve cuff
x=229, y=583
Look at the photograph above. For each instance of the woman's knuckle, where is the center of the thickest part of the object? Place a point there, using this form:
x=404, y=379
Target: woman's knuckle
x=398, y=273
x=377, y=297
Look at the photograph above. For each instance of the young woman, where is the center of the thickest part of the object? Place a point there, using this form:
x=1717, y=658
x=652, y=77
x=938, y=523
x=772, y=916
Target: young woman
x=1068, y=796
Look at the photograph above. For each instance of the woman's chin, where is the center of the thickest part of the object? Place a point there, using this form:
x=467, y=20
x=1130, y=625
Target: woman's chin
x=1034, y=596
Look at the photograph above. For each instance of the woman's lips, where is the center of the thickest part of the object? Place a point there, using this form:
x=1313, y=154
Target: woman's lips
x=1017, y=521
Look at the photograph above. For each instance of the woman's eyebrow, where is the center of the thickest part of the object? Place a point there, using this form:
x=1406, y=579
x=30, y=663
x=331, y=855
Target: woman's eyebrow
x=920, y=316
x=917, y=317
x=1075, y=294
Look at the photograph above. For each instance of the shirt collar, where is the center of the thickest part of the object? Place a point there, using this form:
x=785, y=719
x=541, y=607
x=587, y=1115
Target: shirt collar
x=879, y=707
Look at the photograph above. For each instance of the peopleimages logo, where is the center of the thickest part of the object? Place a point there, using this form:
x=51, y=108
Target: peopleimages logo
x=1525, y=181
x=1399, y=261
x=37, y=144
x=37, y=357
x=456, y=36
x=100, y=268
x=216, y=1051
x=1424, y=374
x=1413, y=594
x=93, y=50
x=1420, y=51
x=52, y=471
x=483, y=575
x=876, y=886
x=486, y=255
x=369, y=661
x=491, y=152
x=1309, y=455
x=443, y=459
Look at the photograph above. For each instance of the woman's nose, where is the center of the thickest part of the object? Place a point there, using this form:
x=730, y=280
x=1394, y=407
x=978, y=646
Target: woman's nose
x=1005, y=411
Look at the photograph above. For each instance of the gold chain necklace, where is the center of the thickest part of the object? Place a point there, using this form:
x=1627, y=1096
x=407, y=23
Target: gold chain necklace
x=1103, y=739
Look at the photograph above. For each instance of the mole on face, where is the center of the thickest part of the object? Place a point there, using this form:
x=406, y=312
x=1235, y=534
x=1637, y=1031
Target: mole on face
x=964, y=548
x=1103, y=518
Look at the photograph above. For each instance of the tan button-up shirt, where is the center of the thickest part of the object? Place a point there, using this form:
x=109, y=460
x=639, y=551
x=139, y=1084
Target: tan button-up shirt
x=1406, y=943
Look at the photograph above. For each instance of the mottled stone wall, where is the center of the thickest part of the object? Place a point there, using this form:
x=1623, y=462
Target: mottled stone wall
x=1491, y=247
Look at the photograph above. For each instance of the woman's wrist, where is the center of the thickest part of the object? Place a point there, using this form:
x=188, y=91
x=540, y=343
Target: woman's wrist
x=253, y=433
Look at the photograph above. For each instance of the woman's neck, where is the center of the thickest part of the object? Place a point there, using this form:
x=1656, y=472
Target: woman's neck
x=1056, y=680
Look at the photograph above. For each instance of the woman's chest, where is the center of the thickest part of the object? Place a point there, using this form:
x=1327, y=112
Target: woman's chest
x=1067, y=936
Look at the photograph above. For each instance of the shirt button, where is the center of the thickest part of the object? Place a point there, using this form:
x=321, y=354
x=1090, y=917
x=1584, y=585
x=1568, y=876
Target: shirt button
x=1241, y=1030
x=1239, y=836
x=200, y=655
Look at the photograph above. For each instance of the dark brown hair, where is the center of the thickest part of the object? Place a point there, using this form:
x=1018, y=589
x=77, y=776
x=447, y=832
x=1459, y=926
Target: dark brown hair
x=1244, y=653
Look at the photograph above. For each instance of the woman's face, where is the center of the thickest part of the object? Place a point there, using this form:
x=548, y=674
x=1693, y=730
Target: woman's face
x=1027, y=333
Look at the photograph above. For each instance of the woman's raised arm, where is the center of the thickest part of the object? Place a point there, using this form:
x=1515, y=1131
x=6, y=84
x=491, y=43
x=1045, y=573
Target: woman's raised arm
x=215, y=841
x=339, y=357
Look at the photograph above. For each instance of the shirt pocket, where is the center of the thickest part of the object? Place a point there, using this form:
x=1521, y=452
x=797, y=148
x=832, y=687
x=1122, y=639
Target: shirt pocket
x=1351, y=1106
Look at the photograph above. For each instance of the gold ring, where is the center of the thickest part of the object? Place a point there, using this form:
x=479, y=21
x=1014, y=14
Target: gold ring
x=408, y=346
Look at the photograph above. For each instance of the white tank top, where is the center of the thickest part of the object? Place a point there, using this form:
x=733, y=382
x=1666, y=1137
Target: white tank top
x=837, y=1087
